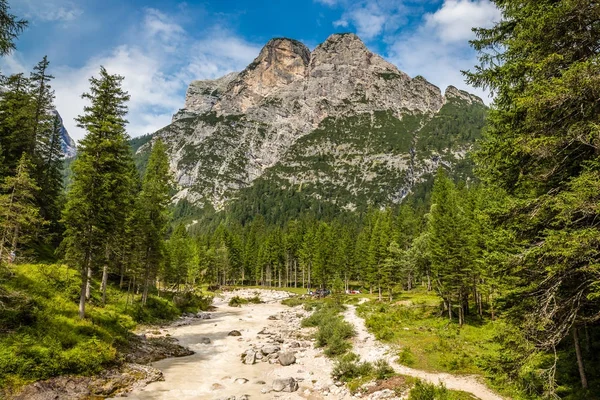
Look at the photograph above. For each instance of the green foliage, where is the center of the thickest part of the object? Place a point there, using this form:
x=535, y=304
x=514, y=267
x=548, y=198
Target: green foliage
x=42, y=335
x=333, y=331
x=10, y=28
x=349, y=367
x=237, y=301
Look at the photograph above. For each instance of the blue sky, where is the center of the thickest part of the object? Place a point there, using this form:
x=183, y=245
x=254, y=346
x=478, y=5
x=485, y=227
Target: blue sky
x=161, y=46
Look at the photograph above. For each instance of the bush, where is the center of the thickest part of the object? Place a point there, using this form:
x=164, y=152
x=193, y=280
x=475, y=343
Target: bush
x=255, y=300
x=349, y=367
x=333, y=331
x=292, y=302
x=192, y=302
x=237, y=301
x=156, y=309
x=428, y=391
x=406, y=357
x=383, y=370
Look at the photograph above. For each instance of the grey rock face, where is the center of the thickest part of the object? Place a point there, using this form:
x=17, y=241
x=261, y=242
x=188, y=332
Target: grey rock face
x=235, y=129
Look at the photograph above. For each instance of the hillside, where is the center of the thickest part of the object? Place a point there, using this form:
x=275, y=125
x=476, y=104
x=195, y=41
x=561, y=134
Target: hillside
x=338, y=125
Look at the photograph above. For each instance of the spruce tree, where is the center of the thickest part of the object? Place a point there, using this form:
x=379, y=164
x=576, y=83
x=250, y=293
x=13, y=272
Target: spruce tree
x=19, y=216
x=97, y=200
x=10, y=28
x=542, y=147
x=153, y=203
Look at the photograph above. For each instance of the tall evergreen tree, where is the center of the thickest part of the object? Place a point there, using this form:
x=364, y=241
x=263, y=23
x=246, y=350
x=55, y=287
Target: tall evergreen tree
x=542, y=147
x=19, y=216
x=10, y=28
x=153, y=203
x=96, y=202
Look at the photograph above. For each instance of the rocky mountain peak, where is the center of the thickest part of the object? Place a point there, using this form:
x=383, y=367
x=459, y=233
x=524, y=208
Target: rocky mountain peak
x=453, y=92
x=291, y=106
x=280, y=62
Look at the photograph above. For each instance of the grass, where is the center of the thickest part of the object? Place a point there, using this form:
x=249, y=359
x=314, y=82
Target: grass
x=333, y=331
x=41, y=334
x=428, y=341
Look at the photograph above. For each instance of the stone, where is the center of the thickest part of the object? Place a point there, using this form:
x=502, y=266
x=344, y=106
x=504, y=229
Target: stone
x=269, y=349
x=205, y=340
x=250, y=357
x=285, y=385
x=286, y=359
x=241, y=381
x=216, y=386
x=234, y=333
x=259, y=382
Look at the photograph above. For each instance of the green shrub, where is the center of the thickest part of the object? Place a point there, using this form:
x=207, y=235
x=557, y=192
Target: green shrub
x=428, y=391
x=383, y=370
x=192, y=302
x=292, y=302
x=255, y=300
x=349, y=367
x=237, y=301
x=406, y=357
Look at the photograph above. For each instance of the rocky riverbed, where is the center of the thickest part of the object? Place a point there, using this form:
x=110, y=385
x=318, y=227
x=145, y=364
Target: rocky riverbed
x=258, y=351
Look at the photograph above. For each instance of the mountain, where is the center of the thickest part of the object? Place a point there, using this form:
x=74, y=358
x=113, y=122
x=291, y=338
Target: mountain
x=68, y=144
x=338, y=125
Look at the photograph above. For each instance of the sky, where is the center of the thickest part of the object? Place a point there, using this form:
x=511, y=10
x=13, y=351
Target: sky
x=160, y=46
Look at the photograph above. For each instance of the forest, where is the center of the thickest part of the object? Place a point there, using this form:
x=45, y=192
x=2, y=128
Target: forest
x=516, y=246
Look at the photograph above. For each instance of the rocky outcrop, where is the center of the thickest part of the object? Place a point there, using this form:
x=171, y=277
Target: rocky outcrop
x=240, y=127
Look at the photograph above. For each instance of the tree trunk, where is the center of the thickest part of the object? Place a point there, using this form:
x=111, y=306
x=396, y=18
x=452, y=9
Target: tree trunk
x=428, y=281
x=84, y=288
x=450, y=310
x=88, y=288
x=379, y=289
x=584, y=383
x=104, y=283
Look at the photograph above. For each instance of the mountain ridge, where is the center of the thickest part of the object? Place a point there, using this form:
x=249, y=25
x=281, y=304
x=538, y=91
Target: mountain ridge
x=240, y=127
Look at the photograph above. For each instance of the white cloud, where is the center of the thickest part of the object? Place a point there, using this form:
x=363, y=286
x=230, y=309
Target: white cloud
x=49, y=10
x=370, y=18
x=158, y=60
x=438, y=48
x=328, y=2
x=453, y=22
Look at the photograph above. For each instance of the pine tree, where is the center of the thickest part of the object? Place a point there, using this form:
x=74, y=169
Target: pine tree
x=97, y=200
x=181, y=255
x=42, y=117
x=542, y=147
x=10, y=28
x=50, y=155
x=450, y=246
x=19, y=215
x=153, y=204
x=16, y=106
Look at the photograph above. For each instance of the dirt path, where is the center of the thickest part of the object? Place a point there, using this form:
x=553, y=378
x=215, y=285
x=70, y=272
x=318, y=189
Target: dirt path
x=216, y=370
x=369, y=349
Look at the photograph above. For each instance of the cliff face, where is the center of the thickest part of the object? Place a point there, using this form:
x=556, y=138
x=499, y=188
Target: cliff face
x=339, y=119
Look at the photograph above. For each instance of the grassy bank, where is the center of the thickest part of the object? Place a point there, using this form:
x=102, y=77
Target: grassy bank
x=41, y=335
x=333, y=335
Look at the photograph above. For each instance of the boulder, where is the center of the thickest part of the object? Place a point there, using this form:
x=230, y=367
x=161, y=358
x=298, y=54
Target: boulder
x=250, y=358
x=285, y=385
x=205, y=340
x=269, y=349
x=286, y=359
x=241, y=381
x=234, y=333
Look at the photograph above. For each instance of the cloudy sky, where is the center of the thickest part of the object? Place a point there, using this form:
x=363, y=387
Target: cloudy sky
x=162, y=45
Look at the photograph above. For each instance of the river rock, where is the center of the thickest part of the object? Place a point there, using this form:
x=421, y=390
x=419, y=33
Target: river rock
x=270, y=349
x=216, y=386
x=205, y=340
x=285, y=385
x=234, y=333
x=286, y=359
x=241, y=381
x=250, y=357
